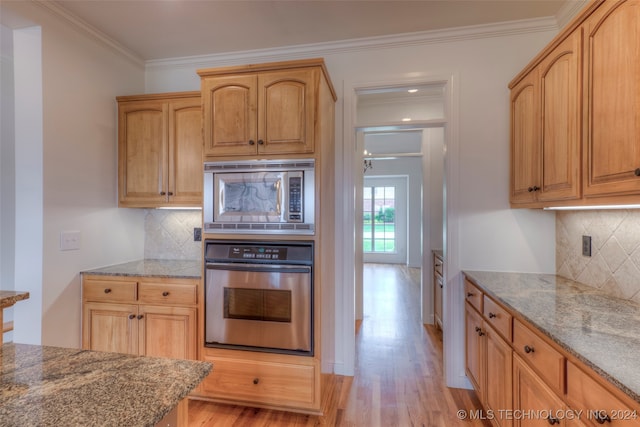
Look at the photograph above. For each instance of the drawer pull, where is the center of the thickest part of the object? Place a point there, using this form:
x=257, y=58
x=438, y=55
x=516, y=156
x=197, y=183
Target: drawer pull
x=491, y=315
x=256, y=380
x=165, y=294
x=551, y=420
x=602, y=417
x=528, y=349
x=132, y=316
x=107, y=291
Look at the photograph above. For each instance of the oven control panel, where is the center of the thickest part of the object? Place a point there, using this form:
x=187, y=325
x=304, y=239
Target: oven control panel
x=258, y=252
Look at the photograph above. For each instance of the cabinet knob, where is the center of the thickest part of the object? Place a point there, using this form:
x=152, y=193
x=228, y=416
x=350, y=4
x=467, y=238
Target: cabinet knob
x=132, y=316
x=251, y=142
x=491, y=315
x=532, y=189
x=165, y=294
x=170, y=193
x=140, y=316
x=478, y=329
x=528, y=349
x=260, y=142
x=256, y=380
x=602, y=417
x=480, y=333
x=470, y=294
x=107, y=291
x=162, y=193
x=637, y=172
x=440, y=285
x=551, y=420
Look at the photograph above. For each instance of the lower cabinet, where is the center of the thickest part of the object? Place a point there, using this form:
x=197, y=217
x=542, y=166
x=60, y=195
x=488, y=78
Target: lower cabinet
x=148, y=317
x=262, y=379
x=438, y=287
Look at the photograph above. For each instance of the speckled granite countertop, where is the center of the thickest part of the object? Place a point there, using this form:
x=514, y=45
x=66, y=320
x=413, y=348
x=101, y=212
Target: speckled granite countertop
x=153, y=268
x=51, y=386
x=600, y=330
x=9, y=298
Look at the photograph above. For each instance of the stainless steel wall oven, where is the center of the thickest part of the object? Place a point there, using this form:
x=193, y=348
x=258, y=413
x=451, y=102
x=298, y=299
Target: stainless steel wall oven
x=259, y=296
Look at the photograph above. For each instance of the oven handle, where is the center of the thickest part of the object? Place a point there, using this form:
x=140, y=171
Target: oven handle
x=262, y=268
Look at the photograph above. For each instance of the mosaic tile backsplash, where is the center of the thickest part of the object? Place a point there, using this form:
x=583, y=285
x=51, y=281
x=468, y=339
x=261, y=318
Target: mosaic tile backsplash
x=614, y=265
x=169, y=234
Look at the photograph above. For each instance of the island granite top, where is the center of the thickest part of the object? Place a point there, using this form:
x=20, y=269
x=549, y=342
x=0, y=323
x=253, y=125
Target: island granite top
x=600, y=330
x=153, y=268
x=50, y=386
x=9, y=298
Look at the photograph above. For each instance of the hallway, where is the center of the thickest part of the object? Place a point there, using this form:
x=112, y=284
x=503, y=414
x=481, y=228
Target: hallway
x=399, y=370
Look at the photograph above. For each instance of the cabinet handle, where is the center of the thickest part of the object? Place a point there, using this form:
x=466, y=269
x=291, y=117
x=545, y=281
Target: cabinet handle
x=165, y=294
x=107, y=291
x=637, y=172
x=162, y=193
x=260, y=142
x=251, y=142
x=491, y=315
x=528, y=349
x=552, y=420
x=602, y=417
x=470, y=294
x=256, y=380
x=132, y=316
x=140, y=316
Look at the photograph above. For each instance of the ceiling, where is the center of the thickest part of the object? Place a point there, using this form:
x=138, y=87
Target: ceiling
x=160, y=29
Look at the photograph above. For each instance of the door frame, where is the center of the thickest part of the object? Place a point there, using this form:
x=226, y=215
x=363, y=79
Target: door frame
x=346, y=259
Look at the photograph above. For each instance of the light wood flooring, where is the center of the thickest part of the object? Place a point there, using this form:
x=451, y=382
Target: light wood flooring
x=399, y=370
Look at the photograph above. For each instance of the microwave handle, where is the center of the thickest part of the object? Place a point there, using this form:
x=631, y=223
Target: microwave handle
x=279, y=188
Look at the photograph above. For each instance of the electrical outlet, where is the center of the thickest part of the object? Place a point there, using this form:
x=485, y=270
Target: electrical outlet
x=69, y=240
x=197, y=234
x=586, y=245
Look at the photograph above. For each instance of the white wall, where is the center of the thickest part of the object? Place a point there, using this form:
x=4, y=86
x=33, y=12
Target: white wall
x=80, y=79
x=491, y=236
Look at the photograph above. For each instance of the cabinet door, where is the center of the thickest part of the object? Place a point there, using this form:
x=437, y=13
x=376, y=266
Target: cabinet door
x=532, y=395
x=185, y=152
x=286, y=111
x=525, y=139
x=499, y=373
x=110, y=327
x=475, y=350
x=561, y=92
x=437, y=303
x=612, y=68
x=142, y=152
x=230, y=121
x=167, y=331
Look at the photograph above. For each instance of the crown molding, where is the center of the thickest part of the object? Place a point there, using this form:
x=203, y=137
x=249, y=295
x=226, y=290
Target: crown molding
x=352, y=45
x=79, y=24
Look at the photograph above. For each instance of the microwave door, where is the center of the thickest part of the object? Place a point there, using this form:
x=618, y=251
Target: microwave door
x=248, y=197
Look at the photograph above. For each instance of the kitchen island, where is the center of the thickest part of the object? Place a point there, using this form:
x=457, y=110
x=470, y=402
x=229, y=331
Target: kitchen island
x=51, y=386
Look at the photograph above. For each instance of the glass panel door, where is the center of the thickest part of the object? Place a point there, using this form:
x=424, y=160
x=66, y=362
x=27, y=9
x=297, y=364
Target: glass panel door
x=379, y=219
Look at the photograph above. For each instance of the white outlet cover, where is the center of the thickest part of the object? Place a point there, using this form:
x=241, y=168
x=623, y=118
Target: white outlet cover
x=70, y=240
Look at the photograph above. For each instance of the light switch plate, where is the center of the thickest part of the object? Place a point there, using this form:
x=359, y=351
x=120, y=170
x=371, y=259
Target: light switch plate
x=69, y=240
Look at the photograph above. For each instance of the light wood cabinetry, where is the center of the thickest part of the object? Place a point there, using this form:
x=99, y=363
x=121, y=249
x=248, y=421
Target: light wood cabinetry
x=575, y=113
x=160, y=150
x=438, y=287
x=147, y=316
x=268, y=109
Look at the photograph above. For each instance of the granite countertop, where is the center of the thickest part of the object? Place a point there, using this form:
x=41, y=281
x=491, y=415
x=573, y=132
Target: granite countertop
x=51, y=386
x=153, y=268
x=600, y=330
x=9, y=298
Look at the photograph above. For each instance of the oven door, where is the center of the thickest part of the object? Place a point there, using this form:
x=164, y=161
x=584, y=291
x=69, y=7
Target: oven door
x=264, y=307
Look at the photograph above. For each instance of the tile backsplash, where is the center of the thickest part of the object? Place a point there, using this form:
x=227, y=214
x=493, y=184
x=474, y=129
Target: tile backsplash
x=169, y=234
x=614, y=265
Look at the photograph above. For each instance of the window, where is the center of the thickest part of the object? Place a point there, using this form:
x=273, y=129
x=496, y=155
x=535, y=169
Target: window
x=379, y=222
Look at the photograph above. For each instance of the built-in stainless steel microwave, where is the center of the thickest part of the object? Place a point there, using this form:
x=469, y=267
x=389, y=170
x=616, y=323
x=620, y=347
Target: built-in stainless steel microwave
x=259, y=196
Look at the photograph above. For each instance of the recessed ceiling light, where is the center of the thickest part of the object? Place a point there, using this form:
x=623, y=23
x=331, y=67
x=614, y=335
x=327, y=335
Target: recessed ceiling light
x=412, y=90
x=406, y=119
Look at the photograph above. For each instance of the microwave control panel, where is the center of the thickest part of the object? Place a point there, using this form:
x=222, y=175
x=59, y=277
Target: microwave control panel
x=295, y=199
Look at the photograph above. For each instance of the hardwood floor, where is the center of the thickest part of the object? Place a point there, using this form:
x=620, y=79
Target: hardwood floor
x=399, y=370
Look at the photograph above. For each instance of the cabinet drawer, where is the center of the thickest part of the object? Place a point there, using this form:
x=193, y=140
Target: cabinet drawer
x=260, y=382
x=167, y=293
x=543, y=358
x=473, y=295
x=498, y=317
x=586, y=394
x=109, y=290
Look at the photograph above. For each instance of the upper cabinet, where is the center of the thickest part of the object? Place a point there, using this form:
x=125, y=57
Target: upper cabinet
x=575, y=113
x=160, y=150
x=270, y=109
